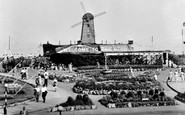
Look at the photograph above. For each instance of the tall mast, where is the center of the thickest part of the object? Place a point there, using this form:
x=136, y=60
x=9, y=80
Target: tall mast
x=152, y=43
x=9, y=44
x=182, y=41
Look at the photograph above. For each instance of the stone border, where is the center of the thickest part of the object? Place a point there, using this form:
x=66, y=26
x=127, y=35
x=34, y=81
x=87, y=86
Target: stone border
x=72, y=108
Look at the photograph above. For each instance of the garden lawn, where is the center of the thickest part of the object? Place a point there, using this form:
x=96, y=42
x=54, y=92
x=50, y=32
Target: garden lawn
x=28, y=94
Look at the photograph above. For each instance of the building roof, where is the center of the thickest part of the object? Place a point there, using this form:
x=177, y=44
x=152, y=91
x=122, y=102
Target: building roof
x=115, y=47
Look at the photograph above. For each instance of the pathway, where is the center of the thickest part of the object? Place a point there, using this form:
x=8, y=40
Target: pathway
x=52, y=99
x=179, y=86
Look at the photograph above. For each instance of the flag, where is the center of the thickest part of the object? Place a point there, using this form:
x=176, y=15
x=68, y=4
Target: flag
x=184, y=24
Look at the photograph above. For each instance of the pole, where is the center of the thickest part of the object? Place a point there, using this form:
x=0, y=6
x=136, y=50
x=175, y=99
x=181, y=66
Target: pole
x=182, y=41
x=9, y=44
x=152, y=43
x=60, y=112
x=106, y=62
x=5, y=106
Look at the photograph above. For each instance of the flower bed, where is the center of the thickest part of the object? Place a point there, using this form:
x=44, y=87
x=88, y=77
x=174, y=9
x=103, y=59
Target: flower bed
x=180, y=97
x=2, y=97
x=7, y=80
x=13, y=88
x=123, y=67
x=122, y=76
x=79, y=103
x=104, y=88
x=63, y=78
x=136, y=99
x=116, y=82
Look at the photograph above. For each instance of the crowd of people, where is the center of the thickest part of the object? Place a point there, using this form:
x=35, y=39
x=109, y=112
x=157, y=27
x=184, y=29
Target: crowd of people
x=178, y=75
x=41, y=87
x=42, y=84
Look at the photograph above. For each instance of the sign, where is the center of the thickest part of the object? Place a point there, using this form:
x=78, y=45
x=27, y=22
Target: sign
x=79, y=49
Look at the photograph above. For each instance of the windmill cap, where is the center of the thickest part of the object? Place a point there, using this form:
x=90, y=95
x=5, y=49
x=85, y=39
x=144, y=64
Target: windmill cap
x=88, y=16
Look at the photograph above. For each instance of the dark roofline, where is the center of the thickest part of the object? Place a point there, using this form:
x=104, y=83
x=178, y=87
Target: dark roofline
x=143, y=51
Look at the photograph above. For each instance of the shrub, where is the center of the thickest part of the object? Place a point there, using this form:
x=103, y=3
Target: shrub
x=114, y=94
x=156, y=96
x=70, y=101
x=79, y=97
x=139, y=93
x=123, y=93
x=162, y=94
x=130, y=94
x=151, y=92
x=156, y=91
x=87, y=100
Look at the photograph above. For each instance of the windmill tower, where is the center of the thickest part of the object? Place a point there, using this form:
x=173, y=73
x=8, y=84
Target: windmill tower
x=88, y=31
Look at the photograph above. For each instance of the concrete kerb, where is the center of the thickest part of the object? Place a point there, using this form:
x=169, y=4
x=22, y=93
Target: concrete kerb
x=172, y=87
x=37, y=110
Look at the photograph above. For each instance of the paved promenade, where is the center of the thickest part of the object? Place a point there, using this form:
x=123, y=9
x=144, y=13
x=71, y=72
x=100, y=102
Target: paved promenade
x=51, y=100
x=179, y=86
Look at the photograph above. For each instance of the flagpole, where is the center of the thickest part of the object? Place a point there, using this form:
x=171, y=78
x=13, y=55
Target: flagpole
x=182, y=41
x=182, y=37
x=152, y=43
x=9, y=44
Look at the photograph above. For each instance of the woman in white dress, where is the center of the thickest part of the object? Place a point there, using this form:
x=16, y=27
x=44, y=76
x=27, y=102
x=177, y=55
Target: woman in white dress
x=176, y=75
x=170, y=75
x=182, y=76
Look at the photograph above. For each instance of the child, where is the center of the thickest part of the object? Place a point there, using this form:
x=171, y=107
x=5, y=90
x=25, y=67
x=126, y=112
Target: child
x=55, y=84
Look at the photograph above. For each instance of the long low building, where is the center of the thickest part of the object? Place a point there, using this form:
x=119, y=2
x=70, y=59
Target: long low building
x=122, y=53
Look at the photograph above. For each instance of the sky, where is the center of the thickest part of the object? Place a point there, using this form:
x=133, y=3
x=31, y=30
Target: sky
x=29, y=23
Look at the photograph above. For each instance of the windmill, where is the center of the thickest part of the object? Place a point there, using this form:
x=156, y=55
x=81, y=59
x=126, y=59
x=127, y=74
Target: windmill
x=88, y=31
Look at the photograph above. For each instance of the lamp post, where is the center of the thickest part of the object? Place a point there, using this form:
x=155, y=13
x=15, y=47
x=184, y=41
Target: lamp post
x=5, y=105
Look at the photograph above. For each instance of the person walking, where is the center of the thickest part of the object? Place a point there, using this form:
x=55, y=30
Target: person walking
x=37, y=93
x=176, y=75
x=26, y=73
x=25, y=112
x=170, y=76
x=131, y=71
x=155, y=77
x=182, y=76
x=44, y=93
x=37, y=81
x=40, y=79
x=46, y=76
x=170, y=63
x=55, y=84
x=22, y=73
